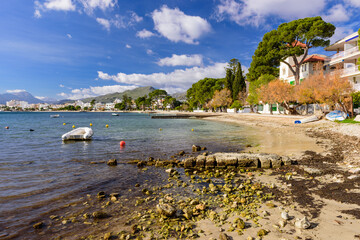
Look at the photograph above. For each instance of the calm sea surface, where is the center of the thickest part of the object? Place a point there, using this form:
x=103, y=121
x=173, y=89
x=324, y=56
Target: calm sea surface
x=39, y=172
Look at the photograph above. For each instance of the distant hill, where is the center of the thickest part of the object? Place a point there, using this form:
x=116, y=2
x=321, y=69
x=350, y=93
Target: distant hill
x=179, y=96
x=20, y=96
x=135, y=93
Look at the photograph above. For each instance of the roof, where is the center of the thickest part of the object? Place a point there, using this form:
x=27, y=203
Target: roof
x=314, y=58
x=300, y=44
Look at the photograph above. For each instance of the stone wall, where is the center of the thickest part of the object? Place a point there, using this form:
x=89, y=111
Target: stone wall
x=233, y=160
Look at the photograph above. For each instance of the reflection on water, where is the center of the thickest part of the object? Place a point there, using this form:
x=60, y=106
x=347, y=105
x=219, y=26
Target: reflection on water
x=39, y=172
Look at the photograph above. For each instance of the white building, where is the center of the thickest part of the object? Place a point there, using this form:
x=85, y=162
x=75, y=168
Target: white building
x=19, y=104
x=109, y=106
x=117, y=101
x=346, y=58
x=79, y=103
x=307, y=68
x=43, y=106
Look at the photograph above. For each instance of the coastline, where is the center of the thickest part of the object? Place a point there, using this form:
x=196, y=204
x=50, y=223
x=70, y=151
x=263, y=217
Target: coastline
x=319, y=188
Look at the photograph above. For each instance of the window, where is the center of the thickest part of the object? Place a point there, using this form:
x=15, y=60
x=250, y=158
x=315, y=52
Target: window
x=283, y=71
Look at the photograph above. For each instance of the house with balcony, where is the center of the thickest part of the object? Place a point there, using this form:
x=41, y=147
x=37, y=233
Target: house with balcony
x=311, y=64
x=346, y=58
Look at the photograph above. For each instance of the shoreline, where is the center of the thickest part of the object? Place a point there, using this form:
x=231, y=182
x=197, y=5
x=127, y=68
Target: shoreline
x=318, y=187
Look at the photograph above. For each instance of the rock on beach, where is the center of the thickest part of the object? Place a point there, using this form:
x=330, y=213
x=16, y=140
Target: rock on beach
x=231, y=160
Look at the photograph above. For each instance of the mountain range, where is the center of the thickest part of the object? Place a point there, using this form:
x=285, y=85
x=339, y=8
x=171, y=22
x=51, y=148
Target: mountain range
x=135, y=93
x=20, y=96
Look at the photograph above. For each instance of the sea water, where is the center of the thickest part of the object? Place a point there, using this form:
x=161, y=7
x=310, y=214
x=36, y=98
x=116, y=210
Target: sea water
x=39, y=172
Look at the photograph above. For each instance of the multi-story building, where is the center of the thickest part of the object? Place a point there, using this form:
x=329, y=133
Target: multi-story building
x=16, y=103
x=346, y=59
x=311, y=64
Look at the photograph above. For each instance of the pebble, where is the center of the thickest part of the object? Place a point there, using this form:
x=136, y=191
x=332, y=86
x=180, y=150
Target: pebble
x=282, y=223
x=166, y=209
x=285, y=216
x=353, y=177
x=223, y=236
x=38, y=225
x=112, y=162
x=303, y=223
x=99, y=214
x=355, y=170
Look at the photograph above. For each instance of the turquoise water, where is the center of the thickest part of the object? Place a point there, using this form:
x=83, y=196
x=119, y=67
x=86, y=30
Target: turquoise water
x=39, y=172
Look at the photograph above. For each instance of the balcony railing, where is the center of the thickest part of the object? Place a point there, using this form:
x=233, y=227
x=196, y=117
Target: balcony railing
x=351, y=70
x=344, y=53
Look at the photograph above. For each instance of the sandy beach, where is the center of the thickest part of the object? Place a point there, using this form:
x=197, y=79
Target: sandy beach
x=321, y=185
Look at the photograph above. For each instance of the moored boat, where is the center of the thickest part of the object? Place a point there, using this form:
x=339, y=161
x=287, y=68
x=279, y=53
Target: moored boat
x=82, y=133
x=336, y=115
x=115, y=114
x=55, y=115
x=307, y=119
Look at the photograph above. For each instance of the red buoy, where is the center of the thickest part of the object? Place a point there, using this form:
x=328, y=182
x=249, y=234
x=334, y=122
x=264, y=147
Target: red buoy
x=122, y=143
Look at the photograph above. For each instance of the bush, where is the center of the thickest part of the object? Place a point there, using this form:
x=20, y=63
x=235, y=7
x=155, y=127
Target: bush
x=236, y=104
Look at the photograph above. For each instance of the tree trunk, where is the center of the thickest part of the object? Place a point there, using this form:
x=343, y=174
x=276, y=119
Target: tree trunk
x=306, y=109
x=271, y=112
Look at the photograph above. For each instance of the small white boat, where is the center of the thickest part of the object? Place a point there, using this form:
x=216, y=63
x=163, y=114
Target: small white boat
x=115, y=114
x=82, y=133
x=308, y=119
x=336, y=115
x=55, y=116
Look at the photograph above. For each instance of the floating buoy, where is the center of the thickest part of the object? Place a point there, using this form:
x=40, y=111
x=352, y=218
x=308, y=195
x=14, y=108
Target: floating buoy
x=90, y=124
x=6, y=127
x=122, y=143
x=106, y=126
x=73, y=126
x=192, y=129
x=160, y=129
x=64, y=124
x=31, y=130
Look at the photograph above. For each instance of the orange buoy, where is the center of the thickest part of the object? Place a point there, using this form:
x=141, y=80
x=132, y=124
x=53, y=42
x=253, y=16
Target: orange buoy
x=6, y=127
x=90, y=124
x=106, y=126
x=73, y=126
x=122, y=143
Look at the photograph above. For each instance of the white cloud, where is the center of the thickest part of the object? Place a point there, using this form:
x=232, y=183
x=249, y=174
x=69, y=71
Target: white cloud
x=127, y=46
x=37, y=13
x=95, y=91
x=91, y=5
x=16, y=91
x=104, y=22
x=354, y=3
x=149, y=52
x=69, y=36
x=177, y=26
x=178, y=80
x=337, y=13
x=135, y=18
x=144, y=34
x=181, y=60
x=255, y=12
x=59, y=5
x=128, y=20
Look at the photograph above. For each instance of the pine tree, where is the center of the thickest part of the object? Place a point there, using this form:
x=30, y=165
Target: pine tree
x=239, y=84
x=229, y=79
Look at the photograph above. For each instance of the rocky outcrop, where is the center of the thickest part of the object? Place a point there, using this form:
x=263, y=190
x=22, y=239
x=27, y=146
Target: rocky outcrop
x=232, y=160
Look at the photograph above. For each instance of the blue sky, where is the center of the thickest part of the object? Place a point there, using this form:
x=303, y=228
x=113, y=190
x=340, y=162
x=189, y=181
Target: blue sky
x=81, y=48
